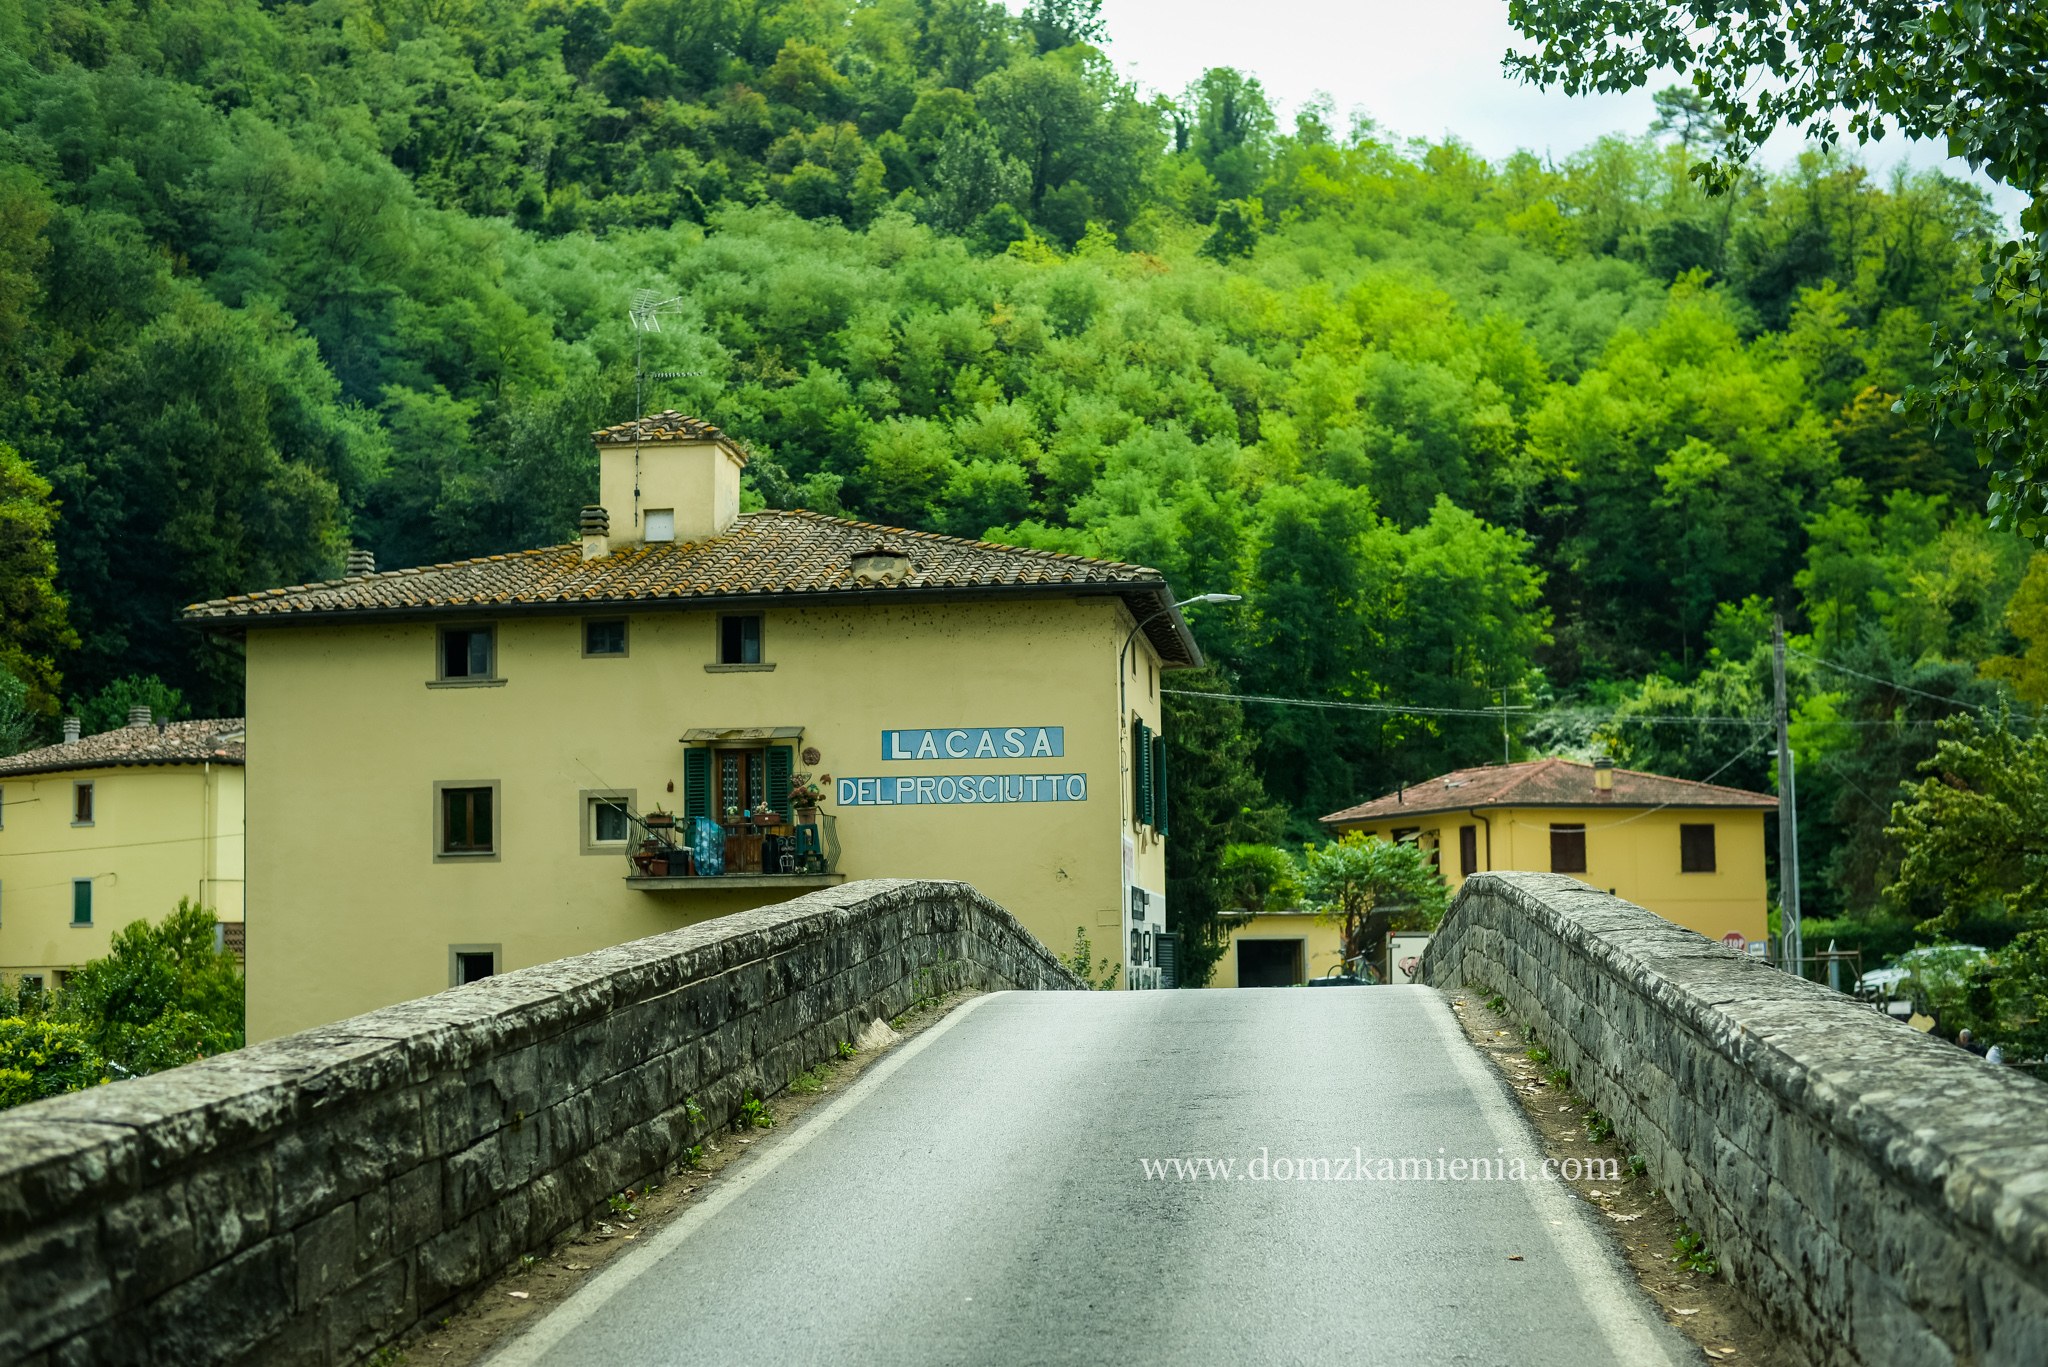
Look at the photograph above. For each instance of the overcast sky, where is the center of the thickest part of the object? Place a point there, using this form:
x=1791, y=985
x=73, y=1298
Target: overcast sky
x=1420, y=68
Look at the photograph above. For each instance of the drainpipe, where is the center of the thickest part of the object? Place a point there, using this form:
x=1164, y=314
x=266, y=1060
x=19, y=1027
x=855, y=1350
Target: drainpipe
x=1475, y=813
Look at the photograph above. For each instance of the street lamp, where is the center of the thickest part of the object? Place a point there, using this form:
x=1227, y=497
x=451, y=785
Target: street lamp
x=1124, y=654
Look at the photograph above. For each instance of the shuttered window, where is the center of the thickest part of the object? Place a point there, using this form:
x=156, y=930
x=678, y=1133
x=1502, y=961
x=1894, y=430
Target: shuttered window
x=781, y=762
x=1696, y=849
x=1159, y=783
x=1567, y=849
x=696, y=781
x=1141, y=773
x=1468, y=851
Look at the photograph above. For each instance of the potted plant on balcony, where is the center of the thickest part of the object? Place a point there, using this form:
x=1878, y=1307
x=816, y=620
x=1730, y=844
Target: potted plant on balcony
x=805, y=793
x=659, y=820
x=648, y=855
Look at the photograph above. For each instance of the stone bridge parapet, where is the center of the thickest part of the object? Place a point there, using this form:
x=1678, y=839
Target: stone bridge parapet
x=1881, y=1195
x=309, y=1199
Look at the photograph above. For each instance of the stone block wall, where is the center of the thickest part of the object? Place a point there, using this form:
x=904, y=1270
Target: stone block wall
x=1881, y=1195
x=311, y=1198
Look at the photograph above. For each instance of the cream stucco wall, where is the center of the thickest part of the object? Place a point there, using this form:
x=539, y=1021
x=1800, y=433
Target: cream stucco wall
x=159, y=833
x=349, y=909
x=1631, y=852
x=1322, y=947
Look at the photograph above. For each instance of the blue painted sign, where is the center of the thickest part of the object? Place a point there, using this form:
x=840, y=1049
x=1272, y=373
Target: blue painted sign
x=962, y=790
x=977, y=742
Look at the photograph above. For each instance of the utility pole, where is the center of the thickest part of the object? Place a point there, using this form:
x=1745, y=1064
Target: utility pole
x=1788, y=808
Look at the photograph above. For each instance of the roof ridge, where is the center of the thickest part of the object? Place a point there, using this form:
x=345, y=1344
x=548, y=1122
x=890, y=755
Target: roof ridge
x=375, y=575
x=1038, y=552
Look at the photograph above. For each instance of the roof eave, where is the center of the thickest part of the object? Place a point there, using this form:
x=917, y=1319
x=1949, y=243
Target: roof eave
x=78, y=766
x=1174, y=625
x=1354, y=818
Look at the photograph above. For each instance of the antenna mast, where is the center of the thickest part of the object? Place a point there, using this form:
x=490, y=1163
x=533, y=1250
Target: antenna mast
x=644, y=309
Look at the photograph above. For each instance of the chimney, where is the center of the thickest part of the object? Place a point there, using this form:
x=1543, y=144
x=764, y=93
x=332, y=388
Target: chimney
x=596, y=526
x=667, y=477
x=360, y=562
x=138, y=715
x=71, y=728
x=1603, y=774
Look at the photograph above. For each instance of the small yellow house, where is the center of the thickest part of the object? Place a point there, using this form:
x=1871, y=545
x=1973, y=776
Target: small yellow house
x=1278, y=949
x=99, y=831
x=1691, y=852
x=464, y=768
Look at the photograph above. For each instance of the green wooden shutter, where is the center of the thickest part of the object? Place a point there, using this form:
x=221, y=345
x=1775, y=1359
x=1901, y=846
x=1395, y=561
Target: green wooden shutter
x=1141, y=773
x=697, y=781
x=1159, y=783
x=781, y=763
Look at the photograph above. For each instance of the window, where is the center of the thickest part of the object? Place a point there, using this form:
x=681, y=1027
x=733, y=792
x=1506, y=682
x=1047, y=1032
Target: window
x=1696, y=849
x=81, y=804
x=468, y=653
x=465, y=820
x=742, y=782
x=739, y=640
x=1404, y=835
x=471, y=963
x=605, y=637
x=661, y=524
x=1468, y=851
x=81, y=901
x=1567, y=849
x=607, y=820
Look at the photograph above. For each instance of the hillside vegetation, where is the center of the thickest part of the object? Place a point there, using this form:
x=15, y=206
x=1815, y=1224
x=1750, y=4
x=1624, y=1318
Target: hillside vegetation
x=275, y=279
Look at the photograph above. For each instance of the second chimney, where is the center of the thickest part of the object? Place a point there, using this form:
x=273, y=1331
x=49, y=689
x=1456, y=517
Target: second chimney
x=72, y=727
x=595, y=525
x=138, y=715
x=1603, y=775
x=361, y=562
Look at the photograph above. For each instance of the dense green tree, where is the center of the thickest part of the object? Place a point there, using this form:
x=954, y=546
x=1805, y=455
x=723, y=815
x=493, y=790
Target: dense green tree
x=34, y=625
x=108, y=708
x=1965, y=75
x=1368, y=887
x=1218, y=803
x=163, y=996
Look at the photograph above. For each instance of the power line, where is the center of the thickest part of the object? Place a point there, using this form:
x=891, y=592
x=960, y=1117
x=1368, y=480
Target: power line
x=1395, y=708
x=1888, y=683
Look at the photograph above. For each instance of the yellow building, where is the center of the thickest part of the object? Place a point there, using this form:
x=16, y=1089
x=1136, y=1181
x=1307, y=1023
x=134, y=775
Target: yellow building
x=1691, y=852
x=1278, y=949
x=455, y=767
x=101, y=831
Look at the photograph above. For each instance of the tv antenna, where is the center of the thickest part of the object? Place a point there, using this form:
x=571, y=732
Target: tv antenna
x=644, y=311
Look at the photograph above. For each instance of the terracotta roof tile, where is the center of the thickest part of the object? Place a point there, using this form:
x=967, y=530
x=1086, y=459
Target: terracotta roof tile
x=798, y=555
x=667, y=425
x=216, y=740
x=1545, y=783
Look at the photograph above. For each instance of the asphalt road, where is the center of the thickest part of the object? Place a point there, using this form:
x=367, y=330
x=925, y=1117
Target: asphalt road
x=981, y=1196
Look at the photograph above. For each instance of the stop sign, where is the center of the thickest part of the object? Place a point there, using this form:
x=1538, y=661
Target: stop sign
x=1733, y=939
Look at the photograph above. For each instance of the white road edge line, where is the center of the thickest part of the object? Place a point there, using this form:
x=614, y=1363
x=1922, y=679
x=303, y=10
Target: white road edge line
x=1633, y=1334
x=565, y=1319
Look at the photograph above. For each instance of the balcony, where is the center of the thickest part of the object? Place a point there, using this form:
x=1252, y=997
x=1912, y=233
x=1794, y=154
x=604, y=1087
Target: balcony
x=700, y=855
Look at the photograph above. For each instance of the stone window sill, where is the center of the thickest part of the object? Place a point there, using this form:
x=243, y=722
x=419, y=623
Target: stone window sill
x=738, y=669
x=465, y=683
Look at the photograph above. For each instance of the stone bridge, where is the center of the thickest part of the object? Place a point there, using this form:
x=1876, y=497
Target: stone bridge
x=1877, y=1195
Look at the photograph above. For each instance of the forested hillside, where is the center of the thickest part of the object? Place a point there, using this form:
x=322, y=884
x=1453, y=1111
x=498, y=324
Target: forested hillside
x=279, y=278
